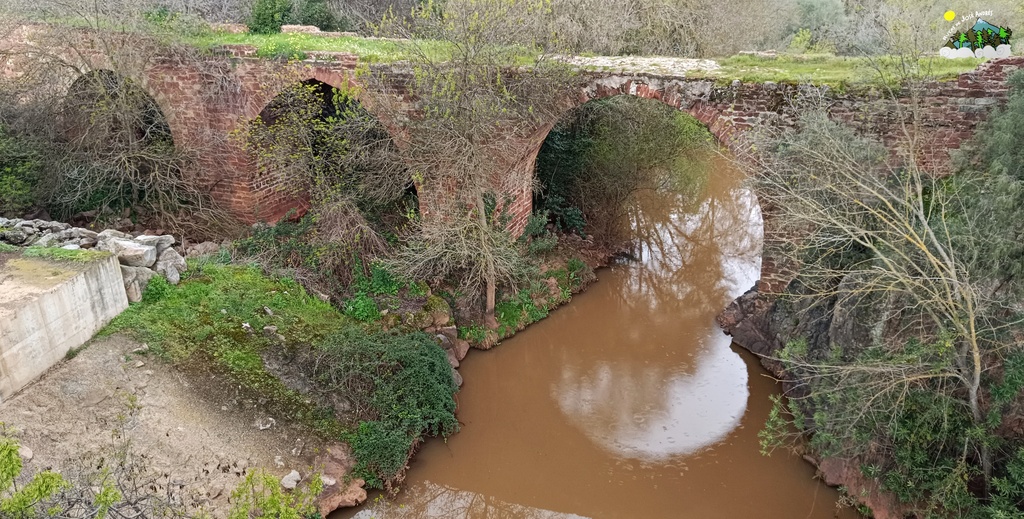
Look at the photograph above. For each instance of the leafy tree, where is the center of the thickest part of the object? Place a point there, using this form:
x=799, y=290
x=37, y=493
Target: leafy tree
x=268, y=16
x=318, y=13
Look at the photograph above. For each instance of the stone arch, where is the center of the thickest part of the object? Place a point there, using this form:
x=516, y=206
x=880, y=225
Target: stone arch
x=692, y=97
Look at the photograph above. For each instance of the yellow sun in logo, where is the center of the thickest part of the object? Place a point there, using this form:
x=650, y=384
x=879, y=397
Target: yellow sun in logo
x=949, y=16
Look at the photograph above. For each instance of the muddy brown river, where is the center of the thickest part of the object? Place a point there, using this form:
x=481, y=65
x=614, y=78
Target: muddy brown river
x=629, y=402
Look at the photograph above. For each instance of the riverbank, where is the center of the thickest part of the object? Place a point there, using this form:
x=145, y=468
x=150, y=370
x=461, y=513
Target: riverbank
x=630, y=398
x=233, y=352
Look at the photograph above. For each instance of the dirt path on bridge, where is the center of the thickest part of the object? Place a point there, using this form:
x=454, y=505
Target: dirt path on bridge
x=195, y=430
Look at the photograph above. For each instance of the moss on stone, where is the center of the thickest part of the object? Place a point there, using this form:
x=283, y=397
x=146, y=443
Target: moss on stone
x=58, y=254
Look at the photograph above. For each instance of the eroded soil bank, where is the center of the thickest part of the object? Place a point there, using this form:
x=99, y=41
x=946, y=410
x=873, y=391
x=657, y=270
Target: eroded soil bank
x=197, y=433
x=629, y=402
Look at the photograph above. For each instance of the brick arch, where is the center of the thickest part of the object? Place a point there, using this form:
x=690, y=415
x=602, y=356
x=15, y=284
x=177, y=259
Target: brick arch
x=691, y=97
x=277, y=203
x=161, y=105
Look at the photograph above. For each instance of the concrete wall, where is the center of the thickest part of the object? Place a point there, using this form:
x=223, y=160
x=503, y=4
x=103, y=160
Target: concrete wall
x=48, y=308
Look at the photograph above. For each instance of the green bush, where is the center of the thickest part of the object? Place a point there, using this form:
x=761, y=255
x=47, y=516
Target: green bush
x=269, y=15
x=318, y=13
x=405, y=386
x=536, y=224
x=19, y=176
x=543, y=244
x=362, y=307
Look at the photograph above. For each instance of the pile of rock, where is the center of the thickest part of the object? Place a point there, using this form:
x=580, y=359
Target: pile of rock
x=141, y=257
x=42, y=233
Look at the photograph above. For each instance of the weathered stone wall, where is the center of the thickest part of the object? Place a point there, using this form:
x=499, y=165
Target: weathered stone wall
x=47, y=309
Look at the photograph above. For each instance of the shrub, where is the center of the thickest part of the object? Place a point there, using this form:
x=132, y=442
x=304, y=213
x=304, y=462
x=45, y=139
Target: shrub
x=269, y=15
x=318, y=13
x=19, y=174
x=543, y=244
x=536, y=224
x=362, y=307
x=402, y=387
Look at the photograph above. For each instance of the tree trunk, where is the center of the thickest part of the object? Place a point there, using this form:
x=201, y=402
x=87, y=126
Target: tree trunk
x=490, y=277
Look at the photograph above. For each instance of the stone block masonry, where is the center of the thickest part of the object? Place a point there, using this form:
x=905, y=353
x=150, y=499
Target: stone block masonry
x=48, y=308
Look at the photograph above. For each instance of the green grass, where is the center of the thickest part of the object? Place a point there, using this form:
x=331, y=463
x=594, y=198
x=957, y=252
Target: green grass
x=826, y=69
x=295, y=46
x=8, y=248
x=200, y=321
x=58, y=254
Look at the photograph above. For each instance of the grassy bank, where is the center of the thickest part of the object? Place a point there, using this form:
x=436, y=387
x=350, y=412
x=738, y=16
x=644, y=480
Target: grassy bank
x=367, y=375
x=836, y=71
x=295, y=45
x=266, y=333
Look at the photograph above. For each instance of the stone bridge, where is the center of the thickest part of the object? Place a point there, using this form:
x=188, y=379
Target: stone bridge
x=209, y=99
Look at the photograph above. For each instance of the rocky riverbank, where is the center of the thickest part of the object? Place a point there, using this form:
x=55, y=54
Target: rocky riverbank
x=758, y=322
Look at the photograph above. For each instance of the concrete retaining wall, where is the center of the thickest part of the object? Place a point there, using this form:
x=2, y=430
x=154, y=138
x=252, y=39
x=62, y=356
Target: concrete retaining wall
x=47, y=308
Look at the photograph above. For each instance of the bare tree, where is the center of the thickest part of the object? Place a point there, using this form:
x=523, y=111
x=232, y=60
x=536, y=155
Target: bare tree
x=477, y=109
x=868, y=230
x=79, y=96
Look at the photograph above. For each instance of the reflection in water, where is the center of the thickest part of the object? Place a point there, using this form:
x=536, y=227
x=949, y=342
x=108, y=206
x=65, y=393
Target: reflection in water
x=430, y=501
x=691, y=264
x=653, y=415
x=629, y=402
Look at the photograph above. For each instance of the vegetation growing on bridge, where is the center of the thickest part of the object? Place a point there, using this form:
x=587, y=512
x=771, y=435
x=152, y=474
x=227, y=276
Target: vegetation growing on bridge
x=932, y=390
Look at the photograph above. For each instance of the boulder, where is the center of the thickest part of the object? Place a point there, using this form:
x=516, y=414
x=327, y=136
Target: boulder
x=129, y=253
x=291, y=480
x=111, y=233
x=171, y=275
x=457, y=377
x=162, y=243
x=449, y=331
x=170, y=264
x=15, y=236
x=453, y=360
x=203, y=249
x=135, y=281
x=461, y=348
x=341, y=496
x=49, y=240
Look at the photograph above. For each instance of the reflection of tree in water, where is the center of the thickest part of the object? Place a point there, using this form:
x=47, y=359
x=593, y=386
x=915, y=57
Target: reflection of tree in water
x=694, y=393
x=695, y=260
x=433, y=501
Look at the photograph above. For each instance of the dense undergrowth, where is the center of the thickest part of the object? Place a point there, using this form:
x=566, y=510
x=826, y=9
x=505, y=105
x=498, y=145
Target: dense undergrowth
x=910, y=366
x=399, y=383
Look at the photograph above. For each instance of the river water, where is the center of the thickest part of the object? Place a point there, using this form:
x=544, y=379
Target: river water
x=629, y=402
